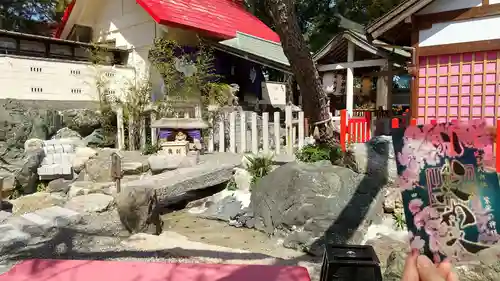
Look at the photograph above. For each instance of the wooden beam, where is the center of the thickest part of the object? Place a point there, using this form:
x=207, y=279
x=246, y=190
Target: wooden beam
x=457, y=48
x=486, y=2
x=353, y=64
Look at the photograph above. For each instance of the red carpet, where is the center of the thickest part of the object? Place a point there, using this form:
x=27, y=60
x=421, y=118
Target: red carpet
x=81, y=270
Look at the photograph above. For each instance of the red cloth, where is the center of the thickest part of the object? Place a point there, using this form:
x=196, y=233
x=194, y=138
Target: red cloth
x=83, y=270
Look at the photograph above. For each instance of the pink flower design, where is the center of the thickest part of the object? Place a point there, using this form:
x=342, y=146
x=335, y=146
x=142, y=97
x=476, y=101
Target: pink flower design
x=417, y=242
x=415, y=205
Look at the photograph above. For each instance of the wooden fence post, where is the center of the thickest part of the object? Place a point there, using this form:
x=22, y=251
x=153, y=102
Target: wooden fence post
x=277, y=136
x=265, y=132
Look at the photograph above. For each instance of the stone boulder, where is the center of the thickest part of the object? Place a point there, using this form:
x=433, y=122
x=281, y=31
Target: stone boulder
x=159, y=163
x=58, y=186
x=226, y=205
x=20, y=123
x=27, y=177
x=36, y=201
x=376, y=157
x=310, y=202
x=83, y=121
x=32, y=144
x=65, y=133
x=79, y=188
x=82, y=155
x=90, y=203
x=138, y=210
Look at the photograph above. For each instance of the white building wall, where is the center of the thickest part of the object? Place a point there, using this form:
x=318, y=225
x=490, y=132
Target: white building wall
x=450, y=5
x=461, y=31
x=28, y=78
x=131, y=26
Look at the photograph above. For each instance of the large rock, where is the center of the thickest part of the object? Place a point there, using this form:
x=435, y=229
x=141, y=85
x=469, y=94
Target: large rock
x=20, y=123
x=83, y=121
x=90, y=203
x=138, y=210
x=36, y=201
x=79, y=188
x=177, y=182
x=66, y=133
x=163, y=162
x=226, y=205
x=58, y=186
x=82, y=155
x=311, y=203
x=484, y=271
x=96, y=138
x=27, y=177
x=376, y=157
x=32, y=145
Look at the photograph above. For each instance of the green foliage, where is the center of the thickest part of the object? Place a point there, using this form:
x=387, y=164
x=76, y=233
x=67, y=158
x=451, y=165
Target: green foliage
x=28, y=16
x=166, y=56
x=317, y=152
x=399, y=220
x=41, y=187
x=258, y=166
x=317, y=18
x=151, y=149
x=323, y=151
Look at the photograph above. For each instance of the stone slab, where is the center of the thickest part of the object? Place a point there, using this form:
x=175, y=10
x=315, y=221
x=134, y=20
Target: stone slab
x=173, y=183
x=10, y=236
x=90, y=203
x=30, y=224
x=59, y=216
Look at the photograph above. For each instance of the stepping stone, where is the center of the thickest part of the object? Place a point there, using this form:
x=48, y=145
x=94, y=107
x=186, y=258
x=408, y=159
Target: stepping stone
x=10, y=236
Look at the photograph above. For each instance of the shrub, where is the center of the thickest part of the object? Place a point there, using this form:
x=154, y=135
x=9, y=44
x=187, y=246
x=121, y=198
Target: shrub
x=258, y=166
x=318, y=152
x=151, y=149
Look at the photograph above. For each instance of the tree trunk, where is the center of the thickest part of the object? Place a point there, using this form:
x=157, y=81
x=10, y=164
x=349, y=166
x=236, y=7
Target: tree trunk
x=314, y=99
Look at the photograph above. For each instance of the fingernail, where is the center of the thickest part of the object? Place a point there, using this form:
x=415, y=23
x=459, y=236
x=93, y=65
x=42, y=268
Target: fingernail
x=424, y=262
x=414, y=252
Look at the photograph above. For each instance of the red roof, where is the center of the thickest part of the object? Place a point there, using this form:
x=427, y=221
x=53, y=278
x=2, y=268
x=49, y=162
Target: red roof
x=222, y=18
x=218, y=18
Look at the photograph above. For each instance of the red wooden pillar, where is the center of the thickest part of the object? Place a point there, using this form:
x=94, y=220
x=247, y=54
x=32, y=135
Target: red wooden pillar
x=343, y=129
x=497, y=150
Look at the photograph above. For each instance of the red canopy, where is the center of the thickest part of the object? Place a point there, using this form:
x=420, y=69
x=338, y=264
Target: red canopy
x=222, y=18
x=82, y=270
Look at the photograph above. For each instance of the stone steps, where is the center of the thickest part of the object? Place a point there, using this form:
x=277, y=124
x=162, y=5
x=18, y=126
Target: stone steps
x=19, y=230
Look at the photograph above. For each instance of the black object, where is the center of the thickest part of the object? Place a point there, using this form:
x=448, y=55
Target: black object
x=350, y=263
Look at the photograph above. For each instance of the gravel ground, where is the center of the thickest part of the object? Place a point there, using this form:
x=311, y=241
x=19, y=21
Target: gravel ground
x=100, y=237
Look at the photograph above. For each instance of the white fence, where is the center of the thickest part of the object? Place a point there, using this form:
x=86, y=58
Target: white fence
x=235, y=133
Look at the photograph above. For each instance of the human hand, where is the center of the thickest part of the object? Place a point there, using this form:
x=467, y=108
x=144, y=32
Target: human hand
x=421, y=268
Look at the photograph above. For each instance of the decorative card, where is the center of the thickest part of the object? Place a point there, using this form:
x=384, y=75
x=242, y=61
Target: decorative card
x=451, y=193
